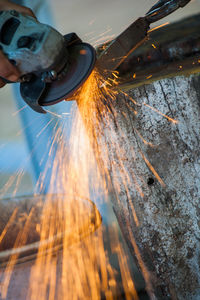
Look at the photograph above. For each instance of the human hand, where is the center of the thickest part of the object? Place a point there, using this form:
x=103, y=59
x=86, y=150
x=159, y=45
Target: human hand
x=7, y=70
x=8, y=5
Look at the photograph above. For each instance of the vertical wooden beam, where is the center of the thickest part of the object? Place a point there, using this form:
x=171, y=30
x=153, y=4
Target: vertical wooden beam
x=149, y=143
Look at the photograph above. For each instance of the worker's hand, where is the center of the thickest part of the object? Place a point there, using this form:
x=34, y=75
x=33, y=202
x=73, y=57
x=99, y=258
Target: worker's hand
x=8, y=5
x=7, y=70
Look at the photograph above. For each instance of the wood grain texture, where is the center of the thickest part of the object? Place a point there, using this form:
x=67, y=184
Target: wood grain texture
x=154, y=166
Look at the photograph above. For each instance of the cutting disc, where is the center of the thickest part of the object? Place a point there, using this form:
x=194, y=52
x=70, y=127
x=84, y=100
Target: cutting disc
x=82, y=57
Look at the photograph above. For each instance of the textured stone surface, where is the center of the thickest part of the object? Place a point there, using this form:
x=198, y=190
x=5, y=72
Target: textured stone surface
x=162, y=215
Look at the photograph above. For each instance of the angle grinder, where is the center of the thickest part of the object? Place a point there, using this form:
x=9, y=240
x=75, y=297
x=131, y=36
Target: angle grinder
x=52, y=66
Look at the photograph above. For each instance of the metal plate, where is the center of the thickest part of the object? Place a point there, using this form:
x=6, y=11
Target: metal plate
x=88, y=221
x=81, y=61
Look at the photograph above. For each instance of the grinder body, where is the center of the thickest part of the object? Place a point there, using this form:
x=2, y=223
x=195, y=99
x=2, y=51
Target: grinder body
x=52, y=66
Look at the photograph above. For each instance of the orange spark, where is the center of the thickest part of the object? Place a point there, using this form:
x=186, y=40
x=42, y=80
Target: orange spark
x=144, y=141
x=10, y=221
x=115, y=75
x=69, y=222
x=157, y=111
x=152, y=169
x=19, y=110
x=157, y=27
x=92, y=22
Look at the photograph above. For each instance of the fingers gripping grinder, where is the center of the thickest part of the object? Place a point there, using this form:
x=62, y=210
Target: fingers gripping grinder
x=52, y=66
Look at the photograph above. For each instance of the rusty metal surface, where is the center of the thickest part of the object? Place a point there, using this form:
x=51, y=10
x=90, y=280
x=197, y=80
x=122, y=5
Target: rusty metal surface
x=118, y=51
x=121, y=47
x=172, y=49
x=27, y=211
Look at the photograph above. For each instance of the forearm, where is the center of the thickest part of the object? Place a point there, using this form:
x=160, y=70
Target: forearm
x=9, y=5
x=7, y=70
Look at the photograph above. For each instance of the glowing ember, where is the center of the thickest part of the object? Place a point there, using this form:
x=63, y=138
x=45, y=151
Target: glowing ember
x=134, y=75
x=157, y=27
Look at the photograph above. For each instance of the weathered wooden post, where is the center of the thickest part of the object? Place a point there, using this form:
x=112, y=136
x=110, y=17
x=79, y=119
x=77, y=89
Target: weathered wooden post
x=150, y=146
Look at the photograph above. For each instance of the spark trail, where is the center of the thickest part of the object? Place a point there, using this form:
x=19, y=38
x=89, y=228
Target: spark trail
x=68, y=220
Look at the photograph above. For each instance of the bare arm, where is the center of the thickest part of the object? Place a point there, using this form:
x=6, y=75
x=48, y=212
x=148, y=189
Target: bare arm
x=7, y=70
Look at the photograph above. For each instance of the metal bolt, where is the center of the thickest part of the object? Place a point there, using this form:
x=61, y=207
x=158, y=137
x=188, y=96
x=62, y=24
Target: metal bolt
x=24, y=42
x=53, y=74
x=14, y=13
x=49, y=76
x=25, y=78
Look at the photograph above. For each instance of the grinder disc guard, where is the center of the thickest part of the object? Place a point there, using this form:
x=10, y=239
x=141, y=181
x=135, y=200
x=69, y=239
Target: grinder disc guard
x=80, y=64
x=81, y=61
